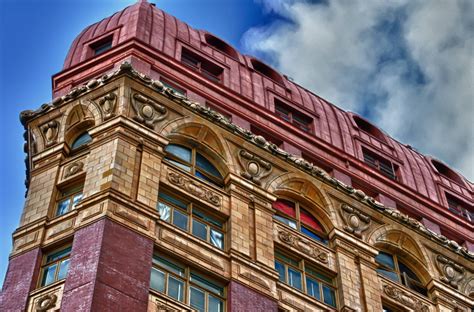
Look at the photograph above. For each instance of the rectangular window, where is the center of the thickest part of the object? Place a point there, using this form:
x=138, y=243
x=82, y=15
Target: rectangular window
x=69, y=198
x=460, y=208
x=293, y=116
x=191, y=219
x=55, y=266
x=102, y=45
x=302, y=276
x=208, y=69
x=385, y=167
x=183, y=284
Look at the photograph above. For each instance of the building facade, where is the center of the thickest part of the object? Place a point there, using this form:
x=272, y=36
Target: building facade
x=172, y=173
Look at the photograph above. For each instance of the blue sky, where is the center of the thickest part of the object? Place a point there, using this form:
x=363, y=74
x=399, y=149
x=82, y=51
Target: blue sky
x=392, y=61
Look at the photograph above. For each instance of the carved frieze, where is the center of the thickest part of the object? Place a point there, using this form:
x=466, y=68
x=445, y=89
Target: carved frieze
x=73, y=169
x=303, y=246
x=405, y=298
x=148, y=111
x=194, y=188
x=50, y=132
x=356, y=221
x=46, y=302
x=452, y=273
x=107, y=105
x=254, y=168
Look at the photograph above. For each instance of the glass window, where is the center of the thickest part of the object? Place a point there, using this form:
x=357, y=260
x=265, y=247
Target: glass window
x=317, y=285
x=192, y=161
x=208, y=69
x=69, y=198
x=81, y=140
x=386, y=167
x=298, y=218
x=183, y=284
x=395, y=269
x=55, y=266
x=293, y=116
x=191, y=219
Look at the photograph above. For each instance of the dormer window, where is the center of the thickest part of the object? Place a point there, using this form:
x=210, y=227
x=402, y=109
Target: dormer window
x=369, y=128
x=220, y=45
x=208, y=69
x=447, y=172
x=101, y=46
x=460, y=208
x=386, y=167
x=292, y=116
x=266, y=71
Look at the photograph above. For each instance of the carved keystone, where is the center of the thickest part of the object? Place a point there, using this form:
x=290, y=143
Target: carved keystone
x=356, y=221
x=255, y=168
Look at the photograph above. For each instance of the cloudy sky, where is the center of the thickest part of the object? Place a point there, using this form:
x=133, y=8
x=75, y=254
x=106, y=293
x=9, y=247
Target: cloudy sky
x=406, y=65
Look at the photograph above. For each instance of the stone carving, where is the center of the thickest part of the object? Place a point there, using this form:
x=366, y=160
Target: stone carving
x=405, y=298
x=217, y=118
x=356, y=221
x=303, y=246
x=148, y=112
x=46, y=302
x=50, y=132
x=163, y=307
x=194, y=188
x=255, y=168
x=453, y=273
x=107, y=104
x=73, y=169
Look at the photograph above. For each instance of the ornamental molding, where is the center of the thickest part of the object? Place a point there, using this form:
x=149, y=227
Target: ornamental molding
x=73, y=169
x=405, y=298
x=194, y=188
x=303, y=245
x=148, y=111
x=218, y=119
x=254, y=168
x=50, y=131
x=107, y=104
x=452, y=273
x=46, y=302
x=356, y=221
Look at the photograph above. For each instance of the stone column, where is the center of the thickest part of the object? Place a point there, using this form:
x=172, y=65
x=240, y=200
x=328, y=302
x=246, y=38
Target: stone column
x=109, y=270
x=21, y=278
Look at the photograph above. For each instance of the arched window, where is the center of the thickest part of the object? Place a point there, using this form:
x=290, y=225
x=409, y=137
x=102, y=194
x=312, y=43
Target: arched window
x=295, y=216
x=392, y=267
x=194, y=162
x=81, y=140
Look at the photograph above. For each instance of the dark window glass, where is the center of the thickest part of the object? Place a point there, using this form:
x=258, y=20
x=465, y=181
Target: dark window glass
x=102, y=46
x=208, y=69
x=180, y=219
x=69, y=199
x=384, y=166
x=55, y=266
x=293, y=116
x=81, y=140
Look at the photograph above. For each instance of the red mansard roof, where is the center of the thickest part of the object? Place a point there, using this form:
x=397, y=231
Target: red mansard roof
x=334, y=128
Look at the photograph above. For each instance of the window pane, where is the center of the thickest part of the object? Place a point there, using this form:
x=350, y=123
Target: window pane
x=172, y=200
x=310, y=221
x=281, y=271
x=206, y=166
x=390, y=274
x=329, y=296
x=175, y=288
x=287, y=221
x=171, y=267
x=217, y=239
x=180, y=219
x=164, y=211
x=200, y=281
x=200, y=229
x=313, y=235
x=48, y=275
x=58, y=254
x=81, y=140
x=180, y=165
x=197, y=300
x=63, y=206
x=179, y=151
x=63, y=267
x=385, y=259
x=215, y=304
x=294, y=278
x=285, y=206
x=312, y=288
x=157, y=280
x=206, y=218
x=286, y=259
x=404, y=269
x=76, y=199
x=205, y=178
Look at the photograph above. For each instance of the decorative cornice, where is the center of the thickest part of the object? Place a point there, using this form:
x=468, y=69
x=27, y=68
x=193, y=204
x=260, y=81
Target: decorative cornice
x=303, y=246
x=218, y=119
x=405, y=298
x=194, y=188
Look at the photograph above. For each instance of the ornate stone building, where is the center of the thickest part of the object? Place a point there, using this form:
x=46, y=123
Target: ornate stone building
x=173, y=173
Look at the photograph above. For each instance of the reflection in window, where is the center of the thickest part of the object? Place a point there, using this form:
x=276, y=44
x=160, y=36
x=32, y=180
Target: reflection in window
x=190, y=218
x=68, y=200
x=183, y=284
x=81, y=140
x=302, y=276
x=55, y=267
x=193, y=162
x=393, y=268
x=295, y=216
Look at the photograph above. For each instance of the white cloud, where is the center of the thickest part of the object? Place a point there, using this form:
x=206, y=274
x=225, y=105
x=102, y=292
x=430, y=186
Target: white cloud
x=411, y=60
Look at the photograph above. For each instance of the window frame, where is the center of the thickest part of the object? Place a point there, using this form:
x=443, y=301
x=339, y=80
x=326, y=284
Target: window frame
x=201, y=65
x=188, y=283
x=381, y=164
x=208, y=177
x=459, y=208
x=69, y=192
x=304, y=267
x=57, y=262
x=293, y=116
x=84, y=144
x=299, y=224
x=191, y=216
